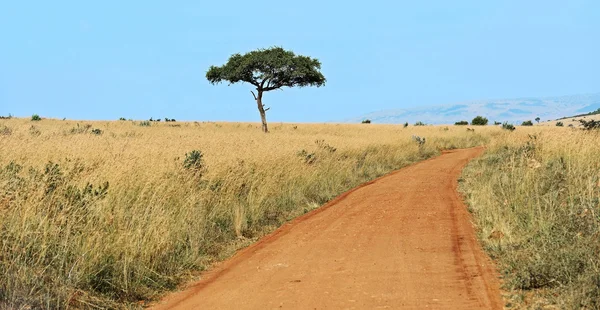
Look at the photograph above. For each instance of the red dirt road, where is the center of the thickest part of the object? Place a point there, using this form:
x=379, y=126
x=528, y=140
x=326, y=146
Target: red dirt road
x=402, y=241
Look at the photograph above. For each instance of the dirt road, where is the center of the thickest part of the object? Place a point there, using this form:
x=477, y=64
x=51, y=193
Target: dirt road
x=403, y=241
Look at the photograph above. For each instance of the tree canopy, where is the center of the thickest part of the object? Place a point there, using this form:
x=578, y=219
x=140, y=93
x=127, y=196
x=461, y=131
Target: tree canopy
x=268, y=69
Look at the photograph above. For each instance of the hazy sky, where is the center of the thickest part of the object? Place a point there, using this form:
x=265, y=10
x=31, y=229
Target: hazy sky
x=142, y=59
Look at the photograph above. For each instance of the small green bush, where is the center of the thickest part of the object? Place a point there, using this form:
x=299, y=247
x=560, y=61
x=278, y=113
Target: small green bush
x=405, y=124
x=479, y=121
x=122, y=119
x=461, y=123
x=497, y=123
x=36, y=117
x=367, y=121
x=559, y=124
x=527, y=123
x=145, y=123
x=419, y=123
x=508, y=126
x=194, y=161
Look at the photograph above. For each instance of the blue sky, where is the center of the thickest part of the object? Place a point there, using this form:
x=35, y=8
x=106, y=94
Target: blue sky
x=142, y=59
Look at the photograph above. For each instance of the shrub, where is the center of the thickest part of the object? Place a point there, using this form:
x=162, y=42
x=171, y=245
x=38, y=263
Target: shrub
x=194, y=161
x=461, y=123
x=527, y=123
x=97, y=131
x=36, y=117
x=419, y=140
x=497, y=123
x=122, y=119
x=405, y=124
x=559, y=124
x=479, y=121
x=6, y=117
x=367, y=121
x=589, y=125
x=537, y=119
x=419, y=123
x=145, y=123
x=508, y=126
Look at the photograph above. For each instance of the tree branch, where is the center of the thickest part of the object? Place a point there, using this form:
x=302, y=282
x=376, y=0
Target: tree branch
x=254, y=95
x=272, y=87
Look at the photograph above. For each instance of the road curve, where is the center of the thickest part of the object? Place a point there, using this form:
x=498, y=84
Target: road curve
x=402, y=241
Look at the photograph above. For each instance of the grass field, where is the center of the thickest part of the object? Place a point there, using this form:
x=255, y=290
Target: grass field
x=535, y=195
x=112, y=214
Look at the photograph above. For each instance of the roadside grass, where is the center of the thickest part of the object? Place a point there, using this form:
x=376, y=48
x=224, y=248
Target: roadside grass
x=116, y=219
x=535, y=198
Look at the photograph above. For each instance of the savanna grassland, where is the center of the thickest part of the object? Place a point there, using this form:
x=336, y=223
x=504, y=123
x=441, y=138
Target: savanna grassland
x=535, y=196
x=113, y=214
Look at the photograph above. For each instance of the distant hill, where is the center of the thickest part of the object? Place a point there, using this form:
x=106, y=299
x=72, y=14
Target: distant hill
x=511, y=110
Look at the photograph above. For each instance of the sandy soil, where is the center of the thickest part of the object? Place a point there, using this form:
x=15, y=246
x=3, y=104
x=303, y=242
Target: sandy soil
x=402, y=241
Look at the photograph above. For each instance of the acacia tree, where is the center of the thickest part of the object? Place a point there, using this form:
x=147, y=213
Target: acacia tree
x=268, y=69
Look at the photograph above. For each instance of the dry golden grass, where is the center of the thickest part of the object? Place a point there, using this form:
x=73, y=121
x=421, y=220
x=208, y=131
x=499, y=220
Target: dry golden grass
x=535, y=195
x=108, y=220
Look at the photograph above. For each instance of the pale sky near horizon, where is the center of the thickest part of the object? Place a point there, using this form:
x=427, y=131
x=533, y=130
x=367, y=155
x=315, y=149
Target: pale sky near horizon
x=142, y=59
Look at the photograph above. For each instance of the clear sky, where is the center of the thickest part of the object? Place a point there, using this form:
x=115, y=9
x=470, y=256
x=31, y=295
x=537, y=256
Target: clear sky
x=141, y=59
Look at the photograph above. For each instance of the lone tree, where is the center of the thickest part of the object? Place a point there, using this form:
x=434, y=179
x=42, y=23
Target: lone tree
x=537, y=119
x=268, y=69
x=479, y=120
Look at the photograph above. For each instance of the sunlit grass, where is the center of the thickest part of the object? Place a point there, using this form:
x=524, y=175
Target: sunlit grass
x=108, y=218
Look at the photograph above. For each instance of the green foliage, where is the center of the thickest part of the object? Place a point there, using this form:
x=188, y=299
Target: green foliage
x=367, y=121
x=461, y=123
x=36, y=117
x=122, y=119
x=145, y=124
x=405, y=124
x=497, y=123
x=559, y=124
x=479, y=121
x=537, y=119
x=419, y=123
x=269, y=69
x=194, y=161
x=589, y=125
x=527, y=123
x=508, y=126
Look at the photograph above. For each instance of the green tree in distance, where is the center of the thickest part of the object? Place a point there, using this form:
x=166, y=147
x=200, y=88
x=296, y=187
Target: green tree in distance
x=268, y=69
x=479, y=120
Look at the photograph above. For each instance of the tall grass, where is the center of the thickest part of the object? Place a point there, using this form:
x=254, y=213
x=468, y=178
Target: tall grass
x=118, y=215
x=535, y=197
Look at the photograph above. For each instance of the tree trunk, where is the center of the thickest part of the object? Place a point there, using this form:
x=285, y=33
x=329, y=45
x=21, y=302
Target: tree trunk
x=261, y=109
